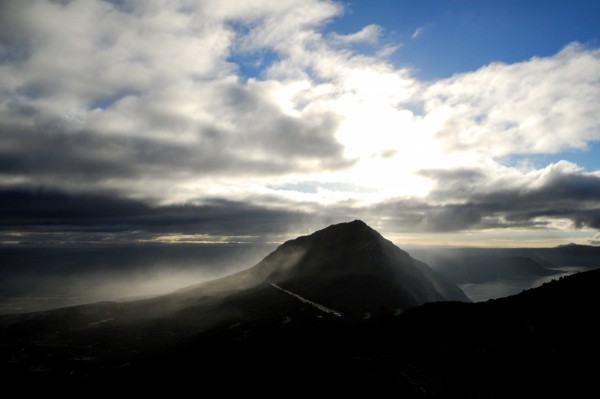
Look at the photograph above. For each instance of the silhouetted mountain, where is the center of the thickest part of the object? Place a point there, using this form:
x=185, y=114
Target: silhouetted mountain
x=571, y=255
x=347, y=266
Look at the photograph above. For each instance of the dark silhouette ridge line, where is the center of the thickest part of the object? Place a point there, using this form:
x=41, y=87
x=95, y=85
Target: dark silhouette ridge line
x=322, y=308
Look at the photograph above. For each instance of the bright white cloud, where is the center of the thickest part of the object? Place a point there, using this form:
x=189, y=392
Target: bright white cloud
x=544, y=105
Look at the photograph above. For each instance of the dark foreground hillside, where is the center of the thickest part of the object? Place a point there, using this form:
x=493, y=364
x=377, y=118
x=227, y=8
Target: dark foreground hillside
x=541, y=342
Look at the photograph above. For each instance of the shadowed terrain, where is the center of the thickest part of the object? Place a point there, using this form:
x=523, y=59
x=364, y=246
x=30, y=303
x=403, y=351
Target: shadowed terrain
x=260, y=331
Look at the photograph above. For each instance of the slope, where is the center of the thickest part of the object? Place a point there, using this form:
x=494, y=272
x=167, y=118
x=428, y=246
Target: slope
x=348, y=266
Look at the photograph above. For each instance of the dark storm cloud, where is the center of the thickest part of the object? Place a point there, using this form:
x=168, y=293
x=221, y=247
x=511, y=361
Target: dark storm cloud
x=49, y=150
x=90, y=217
x=462, y=200
x=419, y=216
x=451, y=218
x=570, y=195
x=454, y=183
x=454, y=175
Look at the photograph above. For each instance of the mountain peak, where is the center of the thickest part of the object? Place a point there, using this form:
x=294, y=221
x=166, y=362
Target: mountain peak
x=571, y=244
x=356, y=222
x=349, y=267
x=350, y=227
x=355, y=234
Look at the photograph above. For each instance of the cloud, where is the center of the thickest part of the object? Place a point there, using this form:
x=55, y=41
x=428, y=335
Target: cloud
x=545, y=200
x=418, y=32
x=543, y=105
x=47, y=151
x=143, y=103
x=368, y=34
x=471, y=199
x=595, y=240
x=110, y=94
x=388, y=50
x=54, y=216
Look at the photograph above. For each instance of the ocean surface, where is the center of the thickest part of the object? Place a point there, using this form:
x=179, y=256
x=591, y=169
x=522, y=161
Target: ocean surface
x=505, y=287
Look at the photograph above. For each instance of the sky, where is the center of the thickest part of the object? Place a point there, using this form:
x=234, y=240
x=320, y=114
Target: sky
x=450, y=122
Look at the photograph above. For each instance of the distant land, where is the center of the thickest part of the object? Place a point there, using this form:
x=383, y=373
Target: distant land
x=342, y=310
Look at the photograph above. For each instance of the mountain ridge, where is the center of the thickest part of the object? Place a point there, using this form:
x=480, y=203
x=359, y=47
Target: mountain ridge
x=351, y=259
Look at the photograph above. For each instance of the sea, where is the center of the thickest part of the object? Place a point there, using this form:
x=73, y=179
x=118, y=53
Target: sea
x=481, y=292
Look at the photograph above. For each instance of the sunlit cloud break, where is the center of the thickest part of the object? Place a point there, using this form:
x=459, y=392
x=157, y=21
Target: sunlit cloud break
x=144, y=111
